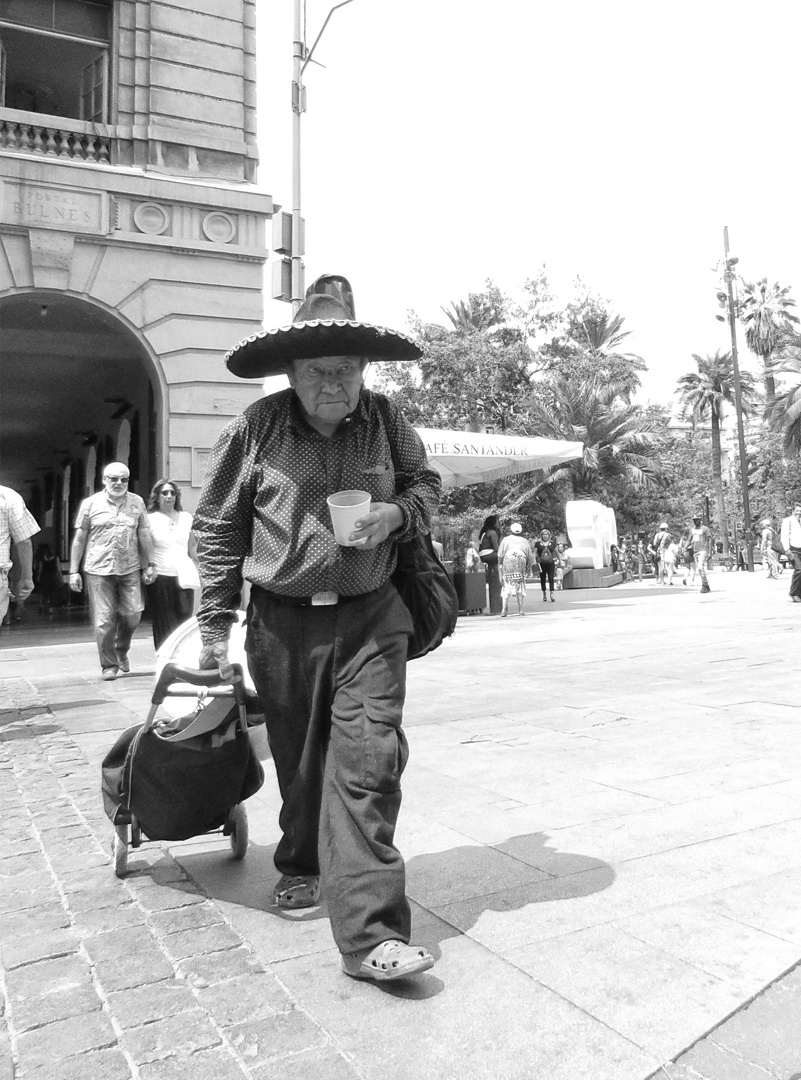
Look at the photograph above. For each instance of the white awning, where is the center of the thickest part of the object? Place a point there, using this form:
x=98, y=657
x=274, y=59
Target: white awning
x=467, y=457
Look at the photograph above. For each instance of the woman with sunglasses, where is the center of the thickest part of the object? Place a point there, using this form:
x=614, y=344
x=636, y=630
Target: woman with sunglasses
x=171, y=596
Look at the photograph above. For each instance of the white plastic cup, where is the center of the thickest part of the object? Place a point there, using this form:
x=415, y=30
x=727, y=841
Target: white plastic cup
x=346, y=508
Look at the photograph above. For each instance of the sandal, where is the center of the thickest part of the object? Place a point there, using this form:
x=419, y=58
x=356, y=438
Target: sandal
x=299, y=891
x=389, y=960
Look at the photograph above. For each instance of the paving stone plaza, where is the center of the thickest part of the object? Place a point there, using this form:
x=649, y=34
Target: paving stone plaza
x=602, y=828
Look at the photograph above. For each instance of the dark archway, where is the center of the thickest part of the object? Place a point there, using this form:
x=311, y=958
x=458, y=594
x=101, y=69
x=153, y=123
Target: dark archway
x=71, y=375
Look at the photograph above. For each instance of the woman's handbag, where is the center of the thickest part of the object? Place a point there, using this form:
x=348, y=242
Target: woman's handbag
x=421, y=579
x=188, y=577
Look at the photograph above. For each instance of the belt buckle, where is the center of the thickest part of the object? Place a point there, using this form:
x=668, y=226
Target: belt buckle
x=325, y=599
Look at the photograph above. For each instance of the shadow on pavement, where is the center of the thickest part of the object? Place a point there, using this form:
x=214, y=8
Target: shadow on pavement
x=523, y=870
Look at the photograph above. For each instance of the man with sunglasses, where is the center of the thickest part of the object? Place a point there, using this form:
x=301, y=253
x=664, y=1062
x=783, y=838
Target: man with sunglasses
x=113, y=533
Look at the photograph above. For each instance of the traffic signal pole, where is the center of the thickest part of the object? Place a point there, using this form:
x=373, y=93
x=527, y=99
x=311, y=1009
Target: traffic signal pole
x=300, y=59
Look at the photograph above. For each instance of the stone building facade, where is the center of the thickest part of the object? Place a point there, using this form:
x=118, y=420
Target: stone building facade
x=132, y=240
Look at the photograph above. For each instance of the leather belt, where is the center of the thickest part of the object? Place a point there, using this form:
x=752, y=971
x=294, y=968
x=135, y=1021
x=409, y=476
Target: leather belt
x=318, y=599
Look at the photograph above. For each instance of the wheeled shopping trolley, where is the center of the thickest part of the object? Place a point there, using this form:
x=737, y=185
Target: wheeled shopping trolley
x=176, y=778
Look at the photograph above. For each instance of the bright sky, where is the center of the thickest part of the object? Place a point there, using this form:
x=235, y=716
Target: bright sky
x=448, y=141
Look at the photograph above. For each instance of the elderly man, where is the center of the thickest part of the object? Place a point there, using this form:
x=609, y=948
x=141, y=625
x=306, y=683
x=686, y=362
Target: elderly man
x=113, y=532
x=327, y=631
x=17, y=526
x=791, y=542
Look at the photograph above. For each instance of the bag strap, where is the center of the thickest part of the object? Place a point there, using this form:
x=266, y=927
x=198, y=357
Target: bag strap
x=381, y=405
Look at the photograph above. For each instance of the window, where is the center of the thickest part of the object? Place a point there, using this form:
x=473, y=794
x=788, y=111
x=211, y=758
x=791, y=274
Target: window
x=56, y=57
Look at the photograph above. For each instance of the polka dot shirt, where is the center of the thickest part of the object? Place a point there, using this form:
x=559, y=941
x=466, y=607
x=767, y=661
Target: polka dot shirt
x=263, y=514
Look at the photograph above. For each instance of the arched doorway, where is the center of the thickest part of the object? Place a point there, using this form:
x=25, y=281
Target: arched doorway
x=75, y=384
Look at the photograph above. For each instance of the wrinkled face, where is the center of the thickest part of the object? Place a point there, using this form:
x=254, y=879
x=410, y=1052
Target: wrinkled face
x=328, y=386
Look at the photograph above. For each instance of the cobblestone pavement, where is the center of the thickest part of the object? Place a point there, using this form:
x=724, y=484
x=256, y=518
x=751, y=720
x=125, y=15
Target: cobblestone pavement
x=153, y=982
x=602, y=833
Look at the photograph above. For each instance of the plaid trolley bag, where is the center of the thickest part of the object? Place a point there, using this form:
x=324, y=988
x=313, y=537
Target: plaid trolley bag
x=173, y=779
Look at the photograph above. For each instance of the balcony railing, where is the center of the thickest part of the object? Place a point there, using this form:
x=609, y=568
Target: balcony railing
x=53, y=136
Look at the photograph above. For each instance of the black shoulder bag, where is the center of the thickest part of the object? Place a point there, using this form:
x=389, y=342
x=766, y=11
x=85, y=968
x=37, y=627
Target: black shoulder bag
x=420, y=578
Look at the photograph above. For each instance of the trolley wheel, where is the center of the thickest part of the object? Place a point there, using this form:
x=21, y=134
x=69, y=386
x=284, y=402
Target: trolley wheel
x=119, y=850
x=136, y=833
x=238, y=820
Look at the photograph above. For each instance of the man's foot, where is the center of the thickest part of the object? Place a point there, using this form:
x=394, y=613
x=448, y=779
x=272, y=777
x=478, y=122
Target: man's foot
x=124, y=663
x=389, y=960
x=705, y=589
x=544, y=598
x=109, y=673
x=796, y=599
x=298, y=891
x=553, y=598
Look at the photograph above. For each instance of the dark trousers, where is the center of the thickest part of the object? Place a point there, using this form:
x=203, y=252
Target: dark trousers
x=333, y=683
x=494, y=588
x=795, y=582
x=546, y=574
x=168, y=605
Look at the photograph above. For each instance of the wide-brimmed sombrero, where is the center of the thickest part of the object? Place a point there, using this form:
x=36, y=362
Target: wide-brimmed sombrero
x=325, y=325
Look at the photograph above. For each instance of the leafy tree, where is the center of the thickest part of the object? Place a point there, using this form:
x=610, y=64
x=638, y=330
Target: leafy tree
x=471, y=377
x=784, y=411
x=589, y=345
x=685, y=478
x=618, y=440
x=703, y=394
x=774, y=479
x=765, y=314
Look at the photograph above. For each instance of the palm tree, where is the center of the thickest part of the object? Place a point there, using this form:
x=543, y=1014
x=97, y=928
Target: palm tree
x=765, y=314
x=618, y=441
x=784, y=412
x=703, y=393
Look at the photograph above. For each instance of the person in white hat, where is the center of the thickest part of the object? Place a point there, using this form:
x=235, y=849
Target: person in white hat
x=327, y=632
x=770, y=557
x=515, y=560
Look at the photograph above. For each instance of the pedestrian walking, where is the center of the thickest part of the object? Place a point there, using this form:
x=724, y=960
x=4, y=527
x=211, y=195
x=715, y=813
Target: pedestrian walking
x=171, y=596
x=687, y=557
x=641, y=554
x=545, y=554
x=660, y=541
x=327, y=632
x=791, y=542
x=113, y=541
x=489, y=540
x=770, y=557
x=17, y=526
x=515, y=559
x=701, y=541
x=670, y=555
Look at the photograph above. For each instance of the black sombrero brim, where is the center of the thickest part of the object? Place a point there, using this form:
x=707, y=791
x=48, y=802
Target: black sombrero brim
x=268, y=352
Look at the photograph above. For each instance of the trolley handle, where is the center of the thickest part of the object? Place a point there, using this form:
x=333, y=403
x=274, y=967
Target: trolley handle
x=172, y=673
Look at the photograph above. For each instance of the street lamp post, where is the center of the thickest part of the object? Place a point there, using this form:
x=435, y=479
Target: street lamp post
x=301, y=56
x=728, y=277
